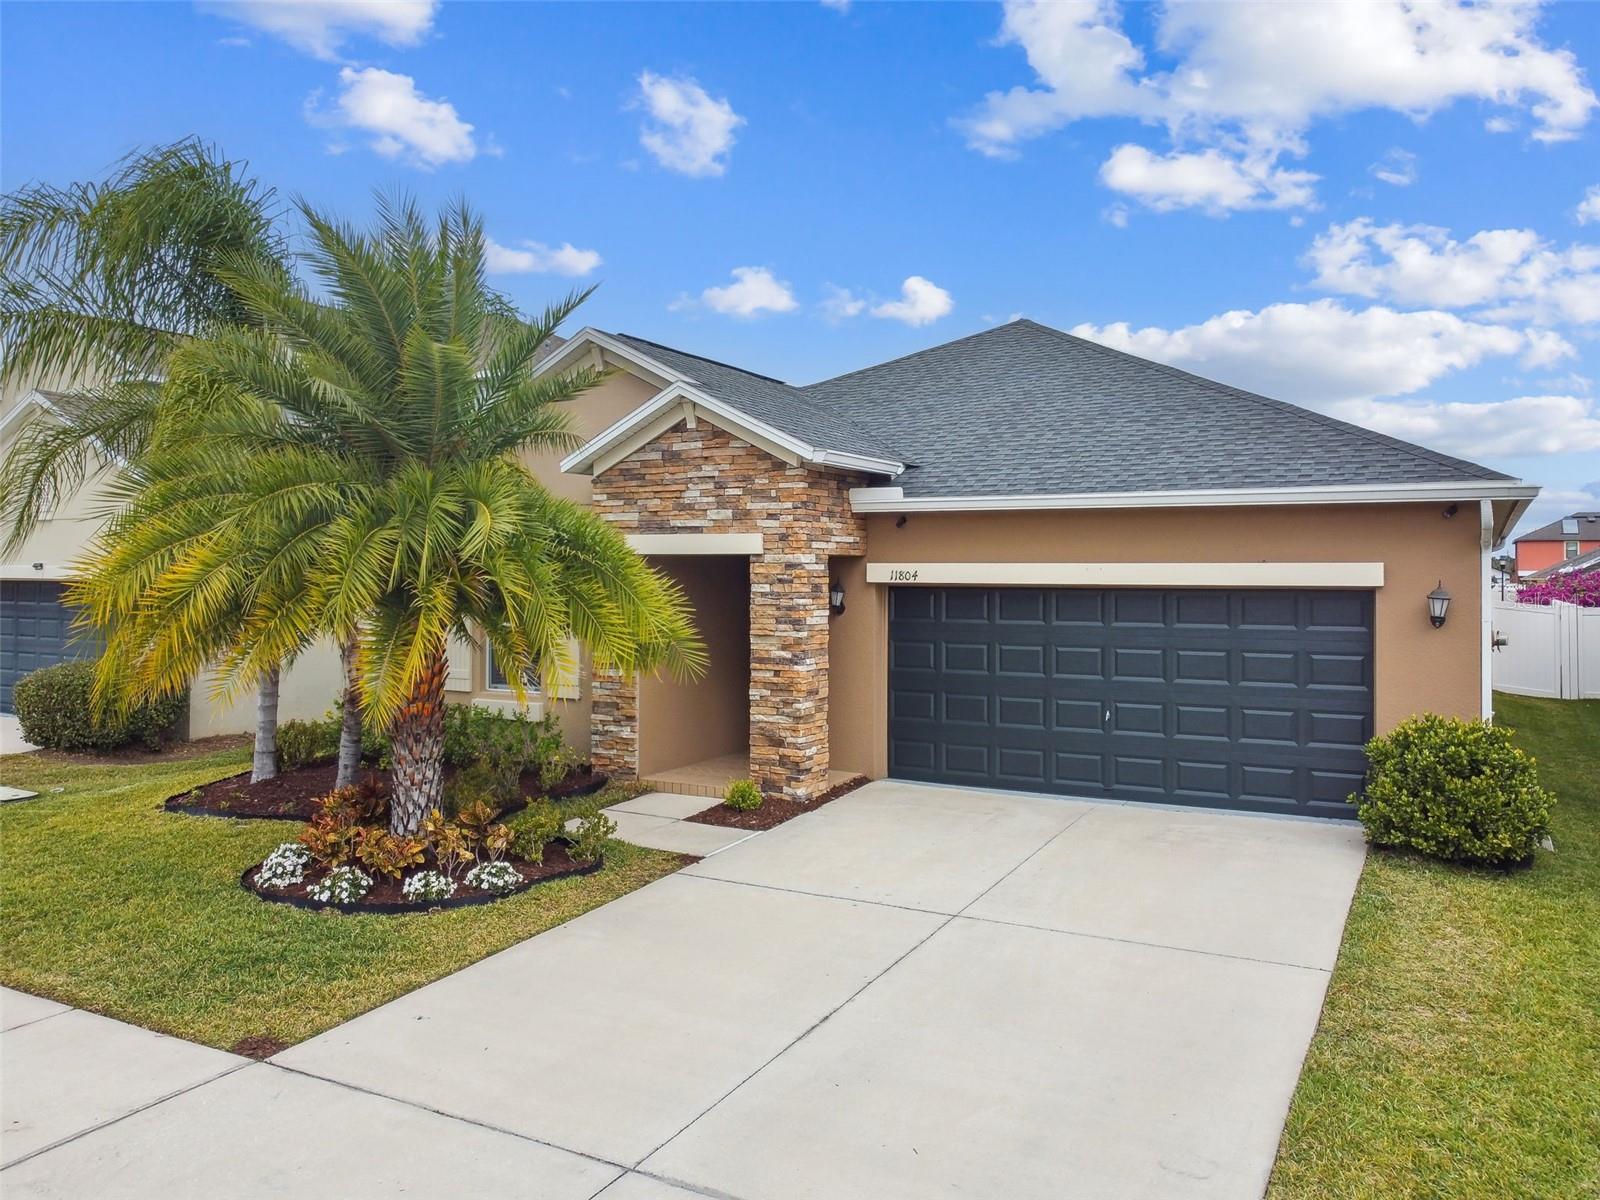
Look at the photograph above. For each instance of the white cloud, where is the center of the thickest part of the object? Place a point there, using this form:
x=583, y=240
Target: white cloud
x=1322, y=352
x=536, y=258
x=1589, y=207
x=320, y=27
x=837, y=5
x=840, y=304
x=1397, y=167
x=1523, y=425
x=921, y=303
x=1500, y=125
x=403, y=123
x=1208, y=180
x=689, y=131
x=1252, y=78
x=754, y=290
x=1512, y=273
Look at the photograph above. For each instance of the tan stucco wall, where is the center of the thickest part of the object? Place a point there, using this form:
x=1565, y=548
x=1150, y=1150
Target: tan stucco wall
x=1416, y=668
x=684, y=722
x=617, y=396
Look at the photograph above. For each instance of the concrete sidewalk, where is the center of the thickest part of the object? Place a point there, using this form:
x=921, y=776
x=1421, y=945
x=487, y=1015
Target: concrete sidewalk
x=912, y=992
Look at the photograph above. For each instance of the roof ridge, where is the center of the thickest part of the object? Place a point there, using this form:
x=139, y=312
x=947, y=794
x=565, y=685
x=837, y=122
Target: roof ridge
x=715, y=362
x=1371, y=435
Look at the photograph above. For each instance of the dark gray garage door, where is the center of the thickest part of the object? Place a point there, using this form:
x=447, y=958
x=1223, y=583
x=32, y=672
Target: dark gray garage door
x=35, y=631
x=1257, y=700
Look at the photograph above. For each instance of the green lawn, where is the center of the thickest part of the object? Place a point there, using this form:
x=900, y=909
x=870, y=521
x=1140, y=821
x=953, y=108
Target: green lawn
x=1459, y=1050
x=112, y=905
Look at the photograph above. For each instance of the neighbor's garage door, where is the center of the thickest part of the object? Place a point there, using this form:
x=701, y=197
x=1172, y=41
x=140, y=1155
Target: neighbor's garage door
x=35, y=631
x=1256, y=700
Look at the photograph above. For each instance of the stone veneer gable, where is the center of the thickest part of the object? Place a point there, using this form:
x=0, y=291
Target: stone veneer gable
x=705, y=480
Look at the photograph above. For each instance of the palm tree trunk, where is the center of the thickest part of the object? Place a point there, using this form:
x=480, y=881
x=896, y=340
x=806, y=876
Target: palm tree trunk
x=265, y=763
x=417, y=747
x=350, y=729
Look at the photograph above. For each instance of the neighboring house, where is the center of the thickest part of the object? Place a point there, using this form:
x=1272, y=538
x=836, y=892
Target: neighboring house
x=1588, y=561
x=1557, y=542
x=1023, y=560
x=36, y=628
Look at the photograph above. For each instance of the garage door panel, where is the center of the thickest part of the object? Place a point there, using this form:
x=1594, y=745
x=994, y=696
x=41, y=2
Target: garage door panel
x=1021, y=712
x=962, y=708
x=1256, y=700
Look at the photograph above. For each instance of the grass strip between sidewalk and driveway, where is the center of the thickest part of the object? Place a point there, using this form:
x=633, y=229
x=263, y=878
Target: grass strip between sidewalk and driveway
x=112, y=905
x=1459, y=1050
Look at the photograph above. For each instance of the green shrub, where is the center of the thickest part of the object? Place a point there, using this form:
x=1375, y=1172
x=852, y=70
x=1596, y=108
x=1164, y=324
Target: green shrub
x=1456, y=790
x=589, y=837
x=537, y=826
x=743, y=794
x=506, y=742
x=301, y=743
x=53, y=708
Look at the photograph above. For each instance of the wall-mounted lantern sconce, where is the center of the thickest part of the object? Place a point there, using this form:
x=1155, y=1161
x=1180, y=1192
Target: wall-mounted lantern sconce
x=1438, y=605
x=836, y=597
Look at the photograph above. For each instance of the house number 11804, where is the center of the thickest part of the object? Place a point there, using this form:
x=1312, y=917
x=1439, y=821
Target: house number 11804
x=902, y=575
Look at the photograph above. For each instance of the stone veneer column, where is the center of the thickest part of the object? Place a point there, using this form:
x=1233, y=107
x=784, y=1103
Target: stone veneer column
x=789, y=674
x=614, y=723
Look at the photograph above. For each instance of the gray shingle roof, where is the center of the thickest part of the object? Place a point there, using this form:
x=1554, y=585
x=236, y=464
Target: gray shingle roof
x=1024, y=409
x=770, y=400
x=1588, y=529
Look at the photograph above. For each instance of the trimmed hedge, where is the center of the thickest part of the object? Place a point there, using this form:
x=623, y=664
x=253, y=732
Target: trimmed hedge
x=54, y=710
x=1456, y=790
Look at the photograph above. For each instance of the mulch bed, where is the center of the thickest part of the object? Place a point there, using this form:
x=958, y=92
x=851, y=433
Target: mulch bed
x=259, y=1045
x=293, y=795
x=774, y=810
x=386, y=896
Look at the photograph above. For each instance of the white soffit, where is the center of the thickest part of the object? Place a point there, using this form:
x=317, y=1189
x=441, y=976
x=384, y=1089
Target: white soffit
x=1133, y=574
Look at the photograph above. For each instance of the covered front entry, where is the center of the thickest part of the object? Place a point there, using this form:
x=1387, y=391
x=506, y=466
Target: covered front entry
x=1249, y=699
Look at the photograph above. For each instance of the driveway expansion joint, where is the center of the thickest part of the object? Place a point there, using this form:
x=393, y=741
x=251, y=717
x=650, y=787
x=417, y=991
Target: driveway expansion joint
x=120, y=1117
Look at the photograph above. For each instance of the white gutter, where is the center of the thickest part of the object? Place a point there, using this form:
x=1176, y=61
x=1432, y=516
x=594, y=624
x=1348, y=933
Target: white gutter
x=869, y=500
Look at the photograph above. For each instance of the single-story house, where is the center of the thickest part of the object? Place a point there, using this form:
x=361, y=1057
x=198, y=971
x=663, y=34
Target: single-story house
x=1023, y=560
x=1018, y=560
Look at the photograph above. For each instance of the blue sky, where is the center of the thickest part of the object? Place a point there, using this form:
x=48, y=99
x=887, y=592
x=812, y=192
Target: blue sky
x=1394, y=220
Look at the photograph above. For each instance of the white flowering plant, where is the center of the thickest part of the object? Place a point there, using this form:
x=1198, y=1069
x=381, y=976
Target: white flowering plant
x=428, y=885
x=342, y=885
x=284, y=867
x=496, y=877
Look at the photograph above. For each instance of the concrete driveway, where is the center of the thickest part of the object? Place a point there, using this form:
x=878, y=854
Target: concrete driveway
x=912, y=992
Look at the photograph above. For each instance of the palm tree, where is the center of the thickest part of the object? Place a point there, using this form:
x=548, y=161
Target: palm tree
x=100, y=283
x=355, y=473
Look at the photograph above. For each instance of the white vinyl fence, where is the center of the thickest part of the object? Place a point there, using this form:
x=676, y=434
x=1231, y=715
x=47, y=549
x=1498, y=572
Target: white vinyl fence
x=1551, y=650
